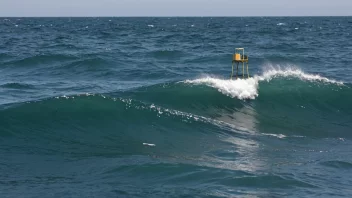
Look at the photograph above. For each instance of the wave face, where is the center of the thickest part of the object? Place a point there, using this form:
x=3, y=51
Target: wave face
x=140, y=107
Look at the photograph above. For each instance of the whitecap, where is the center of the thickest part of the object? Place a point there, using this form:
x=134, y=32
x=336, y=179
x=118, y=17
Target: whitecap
x=148, y=144
x=240, y=88
x=248, y=88
x=272, y=72
x=281, y=136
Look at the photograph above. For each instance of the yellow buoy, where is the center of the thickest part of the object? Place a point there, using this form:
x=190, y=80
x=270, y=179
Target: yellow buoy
x=239, y=57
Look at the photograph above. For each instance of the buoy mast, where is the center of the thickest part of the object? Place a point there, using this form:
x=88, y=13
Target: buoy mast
x=237, y=58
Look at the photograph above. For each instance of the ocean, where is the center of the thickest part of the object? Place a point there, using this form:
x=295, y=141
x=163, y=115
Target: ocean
x=144, y=107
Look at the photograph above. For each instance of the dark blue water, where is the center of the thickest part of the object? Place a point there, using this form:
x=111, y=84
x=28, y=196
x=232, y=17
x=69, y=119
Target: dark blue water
x=143, y=107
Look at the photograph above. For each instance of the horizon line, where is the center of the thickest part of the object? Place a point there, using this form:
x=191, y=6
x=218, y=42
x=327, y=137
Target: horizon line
x=215, y=16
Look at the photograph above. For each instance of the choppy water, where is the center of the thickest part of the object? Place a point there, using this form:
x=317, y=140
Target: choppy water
x=143, y=107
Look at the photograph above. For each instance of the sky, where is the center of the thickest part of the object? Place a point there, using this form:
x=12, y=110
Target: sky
x=39, y=8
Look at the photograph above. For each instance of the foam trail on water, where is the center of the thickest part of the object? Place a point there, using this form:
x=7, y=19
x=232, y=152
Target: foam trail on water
x=248, y=88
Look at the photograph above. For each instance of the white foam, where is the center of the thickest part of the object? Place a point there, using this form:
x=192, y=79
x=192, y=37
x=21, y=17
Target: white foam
x=281, y=136
x=248, y=88
x=150, y=25
x=281, y=24
x=272, y=72
x=240, y=88
x=148, y=144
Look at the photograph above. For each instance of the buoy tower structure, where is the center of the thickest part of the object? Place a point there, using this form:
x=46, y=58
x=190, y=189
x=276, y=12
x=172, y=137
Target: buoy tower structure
x=237, y=58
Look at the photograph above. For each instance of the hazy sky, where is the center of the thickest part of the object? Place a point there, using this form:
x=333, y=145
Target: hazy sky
x=175, y=7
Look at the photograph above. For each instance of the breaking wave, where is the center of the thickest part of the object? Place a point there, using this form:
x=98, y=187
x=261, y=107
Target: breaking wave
x=248, y=88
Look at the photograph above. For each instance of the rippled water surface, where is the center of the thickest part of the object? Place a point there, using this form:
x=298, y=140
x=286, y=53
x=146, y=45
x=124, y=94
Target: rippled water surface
x=144, y=107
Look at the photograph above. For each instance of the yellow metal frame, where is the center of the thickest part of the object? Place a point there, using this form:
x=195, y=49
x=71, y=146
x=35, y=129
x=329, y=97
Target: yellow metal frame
x=239, y=57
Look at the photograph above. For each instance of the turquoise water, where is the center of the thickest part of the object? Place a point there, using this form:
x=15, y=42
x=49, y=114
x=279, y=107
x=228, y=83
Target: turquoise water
x=143, y=107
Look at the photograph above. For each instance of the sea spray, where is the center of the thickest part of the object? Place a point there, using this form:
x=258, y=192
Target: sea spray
x=240, y=88
x=292, y=71
x=248, y=88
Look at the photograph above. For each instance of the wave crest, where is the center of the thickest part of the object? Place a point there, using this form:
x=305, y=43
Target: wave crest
x=240, y=88
x=296, y=73
x=248, y=88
